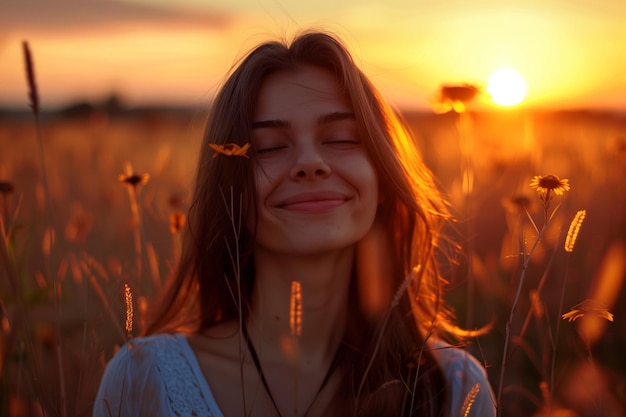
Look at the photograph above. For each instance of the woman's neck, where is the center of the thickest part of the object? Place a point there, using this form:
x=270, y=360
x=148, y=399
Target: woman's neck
x=299, y=306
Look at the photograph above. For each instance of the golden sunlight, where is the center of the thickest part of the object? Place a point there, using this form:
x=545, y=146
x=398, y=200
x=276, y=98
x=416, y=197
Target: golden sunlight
x=506, y=87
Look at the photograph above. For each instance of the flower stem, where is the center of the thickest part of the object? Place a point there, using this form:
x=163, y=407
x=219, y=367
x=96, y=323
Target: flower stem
x=556, y=336
x=509, y=322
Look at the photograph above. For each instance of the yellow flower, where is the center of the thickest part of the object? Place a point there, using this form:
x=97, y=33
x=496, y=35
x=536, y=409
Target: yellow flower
x=230, y=149
x=588, y=307
x=546, y=183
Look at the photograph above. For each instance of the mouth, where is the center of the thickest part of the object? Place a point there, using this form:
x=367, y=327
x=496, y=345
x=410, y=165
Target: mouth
x=313, y=201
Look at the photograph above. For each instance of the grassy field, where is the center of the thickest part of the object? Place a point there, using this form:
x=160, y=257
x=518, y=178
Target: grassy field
x=69, y=282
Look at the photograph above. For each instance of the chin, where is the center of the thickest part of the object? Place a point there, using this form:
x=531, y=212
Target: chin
x=311, y=242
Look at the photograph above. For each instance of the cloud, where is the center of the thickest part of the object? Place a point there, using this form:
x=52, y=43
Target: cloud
x=77, y=15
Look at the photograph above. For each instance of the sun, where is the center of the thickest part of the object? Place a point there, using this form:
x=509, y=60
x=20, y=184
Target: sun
x=506, y=87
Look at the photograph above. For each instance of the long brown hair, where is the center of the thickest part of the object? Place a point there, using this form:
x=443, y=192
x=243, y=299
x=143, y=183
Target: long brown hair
x=214, y=279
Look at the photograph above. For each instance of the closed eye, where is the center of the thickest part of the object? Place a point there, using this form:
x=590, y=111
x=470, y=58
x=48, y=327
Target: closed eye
x=343, y=143
x=270, y=149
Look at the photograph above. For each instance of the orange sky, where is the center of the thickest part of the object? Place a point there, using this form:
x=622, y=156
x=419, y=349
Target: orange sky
x=571, y=53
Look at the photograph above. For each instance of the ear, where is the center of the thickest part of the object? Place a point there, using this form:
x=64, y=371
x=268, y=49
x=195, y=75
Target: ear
x=374, y=270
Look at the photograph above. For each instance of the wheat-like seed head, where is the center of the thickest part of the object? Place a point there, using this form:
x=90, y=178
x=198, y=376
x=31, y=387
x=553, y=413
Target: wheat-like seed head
x=295, y=309
x=574, y=228
x=33, y=94
x=128, y=298
x=469, y=400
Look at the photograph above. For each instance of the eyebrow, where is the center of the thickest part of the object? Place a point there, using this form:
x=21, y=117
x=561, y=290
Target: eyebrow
x=323, y=119
x=335, y=117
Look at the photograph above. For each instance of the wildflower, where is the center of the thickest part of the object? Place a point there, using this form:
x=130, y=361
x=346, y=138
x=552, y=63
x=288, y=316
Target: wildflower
x=463, y=93
x=574, y=228
x=230, y=149
x=134, y=179
x=177, y=221
x=455, y=97
x=547, y=183
x=588, y=307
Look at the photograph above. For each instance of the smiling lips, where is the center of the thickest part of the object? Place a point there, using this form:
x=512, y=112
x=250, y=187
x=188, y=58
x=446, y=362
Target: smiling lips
x=313, y=201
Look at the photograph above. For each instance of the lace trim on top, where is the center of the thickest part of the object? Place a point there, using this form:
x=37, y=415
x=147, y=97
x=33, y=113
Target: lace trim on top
x=183, y=389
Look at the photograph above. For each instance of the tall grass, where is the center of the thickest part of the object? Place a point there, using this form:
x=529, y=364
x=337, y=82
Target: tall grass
x=33, y=94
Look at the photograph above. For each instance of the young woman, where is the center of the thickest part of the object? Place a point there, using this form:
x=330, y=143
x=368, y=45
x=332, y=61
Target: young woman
x=308, y=283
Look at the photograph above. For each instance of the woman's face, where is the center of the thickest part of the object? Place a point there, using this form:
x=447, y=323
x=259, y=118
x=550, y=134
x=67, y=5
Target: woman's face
x=316, y=187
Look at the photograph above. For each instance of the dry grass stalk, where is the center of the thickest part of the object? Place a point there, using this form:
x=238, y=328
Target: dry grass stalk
x=235, y=261
x=33, y=95
x=394, y=303
x=132, y=181
x=153, y=266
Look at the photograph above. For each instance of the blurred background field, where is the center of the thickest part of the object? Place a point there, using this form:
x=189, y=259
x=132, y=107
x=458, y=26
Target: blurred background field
x=94, y=256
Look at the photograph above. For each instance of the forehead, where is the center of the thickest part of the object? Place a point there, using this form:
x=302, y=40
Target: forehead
x=292, y=93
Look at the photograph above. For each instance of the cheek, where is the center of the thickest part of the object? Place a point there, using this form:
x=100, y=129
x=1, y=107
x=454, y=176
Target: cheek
x=370, y=190
x=267, y=173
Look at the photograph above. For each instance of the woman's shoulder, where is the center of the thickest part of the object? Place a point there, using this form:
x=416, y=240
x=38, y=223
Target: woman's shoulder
x=467, y=380
x=454, y=359
x=153, y=346
x=148, y=376
x=144, y=352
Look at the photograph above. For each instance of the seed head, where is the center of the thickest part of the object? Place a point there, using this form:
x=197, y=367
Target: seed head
x=469, y=400
x=128, y=299
x=574, y=228
x=30, y=75
x=295, y=309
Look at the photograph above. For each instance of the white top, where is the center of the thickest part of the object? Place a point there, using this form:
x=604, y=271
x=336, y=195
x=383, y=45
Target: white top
x=159, y=375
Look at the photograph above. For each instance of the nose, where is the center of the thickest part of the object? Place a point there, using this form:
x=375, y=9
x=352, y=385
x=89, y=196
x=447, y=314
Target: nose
x=309, y=164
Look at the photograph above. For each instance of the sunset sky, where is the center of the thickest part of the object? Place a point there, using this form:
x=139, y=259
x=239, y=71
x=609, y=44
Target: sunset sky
x=572, y=53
